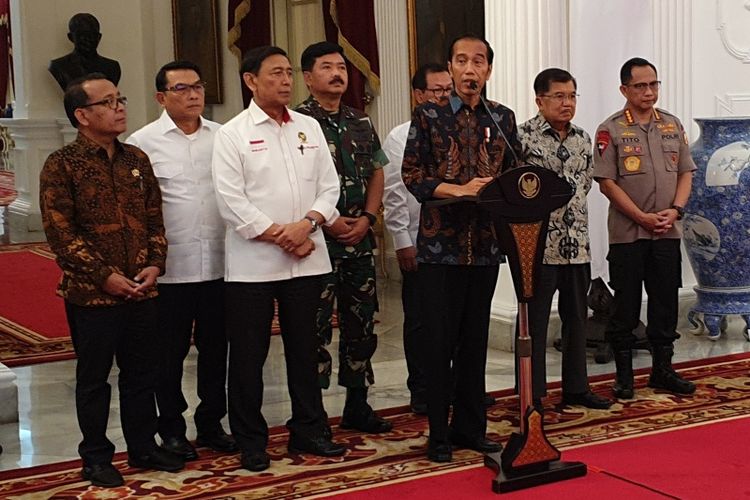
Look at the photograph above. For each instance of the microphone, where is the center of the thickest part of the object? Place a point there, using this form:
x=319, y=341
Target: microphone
x=473, y=85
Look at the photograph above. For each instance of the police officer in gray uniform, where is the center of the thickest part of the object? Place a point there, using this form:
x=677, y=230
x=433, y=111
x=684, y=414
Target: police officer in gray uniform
x=643, y=165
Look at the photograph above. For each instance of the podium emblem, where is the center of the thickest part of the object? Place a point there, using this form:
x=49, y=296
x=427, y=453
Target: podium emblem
x=529, y=185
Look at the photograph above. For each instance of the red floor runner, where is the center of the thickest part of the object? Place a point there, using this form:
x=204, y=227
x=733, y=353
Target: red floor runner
x=702, y=462
x=30, y=300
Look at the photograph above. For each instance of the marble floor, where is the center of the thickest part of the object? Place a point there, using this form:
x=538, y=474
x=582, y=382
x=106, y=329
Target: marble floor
x=48, y=432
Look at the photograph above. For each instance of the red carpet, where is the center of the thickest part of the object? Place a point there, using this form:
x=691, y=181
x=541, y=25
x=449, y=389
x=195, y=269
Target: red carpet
x=706, y=461
x=33, y=328
x=7, y=188
x=646, y=442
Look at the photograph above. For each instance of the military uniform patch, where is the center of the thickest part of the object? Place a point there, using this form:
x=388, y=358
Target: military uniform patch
x=632, y=163
x=602, y=141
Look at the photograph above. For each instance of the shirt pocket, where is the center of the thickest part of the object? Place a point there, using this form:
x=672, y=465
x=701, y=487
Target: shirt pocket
x=631, y=160
x=671, y=152
x=167, y=170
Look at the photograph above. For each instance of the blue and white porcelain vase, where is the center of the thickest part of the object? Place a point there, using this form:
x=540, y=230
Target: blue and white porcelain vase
x=717, y=223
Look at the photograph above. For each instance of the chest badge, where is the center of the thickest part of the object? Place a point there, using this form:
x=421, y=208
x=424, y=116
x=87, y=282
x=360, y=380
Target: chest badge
x=302, y=141
x=632, y=164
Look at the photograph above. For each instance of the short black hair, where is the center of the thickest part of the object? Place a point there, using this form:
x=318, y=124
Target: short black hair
x=76, y=97
x=419, y=80
x=255, y=57
x=472, y=36
x=161, y=76
x=316, y=50
x=626, y=72
x=546, y=77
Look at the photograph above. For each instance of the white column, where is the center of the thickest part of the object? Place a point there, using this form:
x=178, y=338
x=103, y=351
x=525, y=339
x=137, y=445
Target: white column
x=393, y=106
x=35, y=139
x=527, y=37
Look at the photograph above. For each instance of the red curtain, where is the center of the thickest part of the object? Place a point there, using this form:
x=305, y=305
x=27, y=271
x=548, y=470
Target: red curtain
x=6, y=55
x=351, y=24
x=249, y=26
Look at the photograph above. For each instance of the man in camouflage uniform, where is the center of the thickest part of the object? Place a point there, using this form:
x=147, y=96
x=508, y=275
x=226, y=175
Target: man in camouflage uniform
x=356, y=151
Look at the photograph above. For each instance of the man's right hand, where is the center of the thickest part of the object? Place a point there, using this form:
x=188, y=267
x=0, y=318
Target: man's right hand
x=120, y=286
x=305, y=249
x=407, y=258
x=654, y=223
x=340, y=226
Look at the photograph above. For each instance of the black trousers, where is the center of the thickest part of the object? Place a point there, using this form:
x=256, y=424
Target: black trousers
x=249, y=312
x=192, y=310
x=456, y=312
x=128, y=334
x=657, y=264
x=414, y=336
x=572, y=281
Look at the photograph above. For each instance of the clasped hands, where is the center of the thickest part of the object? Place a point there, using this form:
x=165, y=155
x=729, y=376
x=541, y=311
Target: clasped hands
x=349, y=230
x=294, y=238
x=659, y=222
x=120, y=286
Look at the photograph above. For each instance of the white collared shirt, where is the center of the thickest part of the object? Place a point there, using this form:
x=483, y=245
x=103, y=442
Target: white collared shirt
x=194, y=228
x=401, y=207
x=268, y=173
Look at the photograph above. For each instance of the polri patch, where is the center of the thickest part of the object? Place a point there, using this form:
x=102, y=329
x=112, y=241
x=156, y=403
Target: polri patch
x=602, y=141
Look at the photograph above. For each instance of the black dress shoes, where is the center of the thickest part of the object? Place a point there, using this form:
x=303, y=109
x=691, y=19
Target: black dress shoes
x=366, y=420
x=218, y=441
x=439, y=452
x=320, y=445
x=255, y=461
x=157, y=459
x=480, y=444
x=587, y=399
x=104, y=475
x=418, y=407
x=180, y=446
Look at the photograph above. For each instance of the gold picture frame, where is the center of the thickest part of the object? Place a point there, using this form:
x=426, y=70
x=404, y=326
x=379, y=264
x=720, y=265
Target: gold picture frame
x=196, y=39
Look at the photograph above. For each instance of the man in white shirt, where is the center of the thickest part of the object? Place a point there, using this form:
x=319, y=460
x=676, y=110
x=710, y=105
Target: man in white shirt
x=191, y=292
x=276, y=185
x=431, y=82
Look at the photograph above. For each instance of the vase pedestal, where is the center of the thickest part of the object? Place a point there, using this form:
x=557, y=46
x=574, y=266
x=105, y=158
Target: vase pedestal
x=709, y=314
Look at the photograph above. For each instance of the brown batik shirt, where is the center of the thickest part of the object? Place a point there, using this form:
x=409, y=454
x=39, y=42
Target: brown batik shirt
x=101, y=216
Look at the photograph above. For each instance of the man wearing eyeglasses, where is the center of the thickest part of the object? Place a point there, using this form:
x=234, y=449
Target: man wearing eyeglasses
x=550, y=140
x=643, y=165
x=430, y=83
x=191, y=292
x=101, y=209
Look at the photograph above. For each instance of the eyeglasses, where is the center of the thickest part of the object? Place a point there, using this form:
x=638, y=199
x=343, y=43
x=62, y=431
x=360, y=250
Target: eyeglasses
x=641, y=87
x=184, y=88
x=440, y=91
x=560, y=97
x=110, y=102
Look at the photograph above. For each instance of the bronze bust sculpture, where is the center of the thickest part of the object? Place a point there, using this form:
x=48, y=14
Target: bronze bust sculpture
x=83, y=31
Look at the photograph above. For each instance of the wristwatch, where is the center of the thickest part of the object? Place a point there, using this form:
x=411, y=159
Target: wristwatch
x=370, y=217
x=680, y=211
x=313, y=223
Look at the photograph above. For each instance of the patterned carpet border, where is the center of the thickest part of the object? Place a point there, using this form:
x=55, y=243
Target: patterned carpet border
x=723, y=393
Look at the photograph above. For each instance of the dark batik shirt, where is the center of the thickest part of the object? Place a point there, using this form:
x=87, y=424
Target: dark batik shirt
x=568, y=228
x=356, y=152
x=454, y=143
x=101, y=216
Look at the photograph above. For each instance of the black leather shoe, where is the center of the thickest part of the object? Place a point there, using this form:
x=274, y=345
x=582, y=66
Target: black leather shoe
x=180, y=446
x=321, y=446
x=157, y=459
x=104, y=475
x=218, y=441
x=365, y=420
x=440, y=452
x=488, y=400
x=587, y=399
x=255, y=461
x=480, y=444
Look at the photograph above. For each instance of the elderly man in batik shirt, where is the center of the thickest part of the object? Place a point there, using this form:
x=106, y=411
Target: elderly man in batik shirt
x=551, y=141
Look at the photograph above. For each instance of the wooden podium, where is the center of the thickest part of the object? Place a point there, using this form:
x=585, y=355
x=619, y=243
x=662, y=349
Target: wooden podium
x=520, y=202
